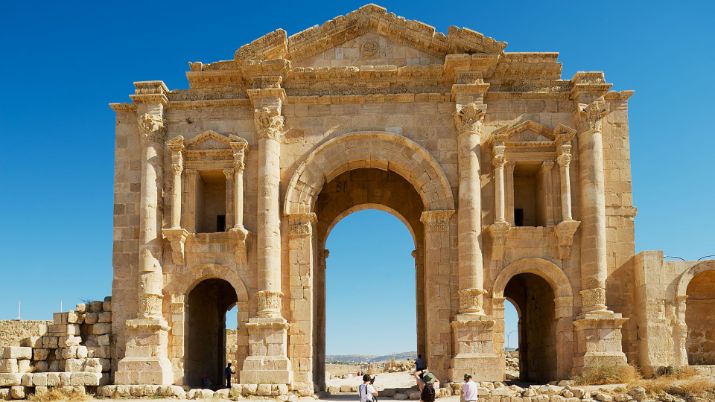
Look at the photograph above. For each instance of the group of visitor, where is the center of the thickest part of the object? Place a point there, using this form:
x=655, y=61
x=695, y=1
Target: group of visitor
x=426, y=382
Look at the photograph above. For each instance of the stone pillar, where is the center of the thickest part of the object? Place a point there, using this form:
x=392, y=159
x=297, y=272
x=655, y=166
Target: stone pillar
x=499, y=161
x=268, y=362
x=146, y=358
x=228, y=173
x=597, y=329
x=546, y=184
x=239, y=147
x=468, y=120
x=594, y=264
x=437, y=269
x=510, y=192
x=177, y=166
x=175, y=233
x=564, y=161
x=189, y=215
x=300, y=257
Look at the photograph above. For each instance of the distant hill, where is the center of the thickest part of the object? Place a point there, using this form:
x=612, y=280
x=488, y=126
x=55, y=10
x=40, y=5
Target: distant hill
x=370, y=358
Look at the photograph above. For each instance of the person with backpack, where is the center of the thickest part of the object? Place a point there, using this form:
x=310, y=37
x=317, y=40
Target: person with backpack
x=366, y=390
x=425, y=381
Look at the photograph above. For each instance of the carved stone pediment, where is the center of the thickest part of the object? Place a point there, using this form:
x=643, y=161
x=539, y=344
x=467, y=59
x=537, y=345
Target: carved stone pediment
x=527, y=131
x=209, y=140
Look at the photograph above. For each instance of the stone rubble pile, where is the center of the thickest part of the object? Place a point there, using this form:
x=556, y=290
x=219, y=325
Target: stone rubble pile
x=74, y=353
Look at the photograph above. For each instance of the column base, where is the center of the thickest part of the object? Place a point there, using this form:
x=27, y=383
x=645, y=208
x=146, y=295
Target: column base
x=598, y=341
x=146, y=358
x=473, y=342
x=268, y=361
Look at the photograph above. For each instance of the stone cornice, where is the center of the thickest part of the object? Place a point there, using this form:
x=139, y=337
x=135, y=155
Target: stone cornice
x=150, y=92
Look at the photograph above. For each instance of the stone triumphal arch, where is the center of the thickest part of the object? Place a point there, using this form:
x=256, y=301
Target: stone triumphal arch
x=513, y=181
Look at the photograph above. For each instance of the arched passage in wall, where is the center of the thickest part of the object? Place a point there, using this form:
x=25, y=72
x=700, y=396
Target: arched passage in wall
x=206, y=308
x=700, y=318
x=383, y=168
x=543, y=297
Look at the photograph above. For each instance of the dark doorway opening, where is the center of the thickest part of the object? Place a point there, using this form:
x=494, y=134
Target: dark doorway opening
x=205, y=331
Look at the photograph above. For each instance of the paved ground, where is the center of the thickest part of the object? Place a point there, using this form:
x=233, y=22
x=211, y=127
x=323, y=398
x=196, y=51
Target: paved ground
x=384, y=380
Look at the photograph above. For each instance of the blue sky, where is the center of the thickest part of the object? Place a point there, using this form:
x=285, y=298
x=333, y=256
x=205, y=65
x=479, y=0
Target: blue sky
x=63, y=62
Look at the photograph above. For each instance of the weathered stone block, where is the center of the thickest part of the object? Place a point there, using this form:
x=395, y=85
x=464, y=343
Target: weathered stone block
x=39, y=379
x=8, y=366
x=17, y=392
x=17, y=352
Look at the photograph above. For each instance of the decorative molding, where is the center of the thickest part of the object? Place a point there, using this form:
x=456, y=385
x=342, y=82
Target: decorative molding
x=269, y=303
x=498, y=232
x=301, y=225
x=590, y=116
x=565, y=231
x=177, y=239
x=470, y=300
x=437, y=220
x=468, y=118
x=499, y=156
x=269, y=123
x=151, y=128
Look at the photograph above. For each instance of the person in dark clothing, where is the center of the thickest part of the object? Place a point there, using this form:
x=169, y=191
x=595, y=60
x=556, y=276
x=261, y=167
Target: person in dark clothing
x=227, y=372
x=420, y=364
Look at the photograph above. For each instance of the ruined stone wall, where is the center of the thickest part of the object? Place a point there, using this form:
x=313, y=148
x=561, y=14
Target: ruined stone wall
x=700, y=319
x=12, y=332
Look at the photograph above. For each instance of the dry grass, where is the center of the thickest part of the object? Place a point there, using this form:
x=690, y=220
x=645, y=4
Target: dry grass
x=684, y=382
x=602, y=375
x=55, y=394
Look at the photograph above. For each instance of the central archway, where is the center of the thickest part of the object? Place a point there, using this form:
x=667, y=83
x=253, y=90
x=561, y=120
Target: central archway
x=380, y=170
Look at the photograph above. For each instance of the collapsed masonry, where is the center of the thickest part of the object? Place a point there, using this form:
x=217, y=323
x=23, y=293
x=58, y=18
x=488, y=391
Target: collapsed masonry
x=74, y=353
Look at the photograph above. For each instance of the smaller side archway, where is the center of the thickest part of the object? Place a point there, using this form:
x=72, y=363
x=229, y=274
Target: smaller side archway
x=179, y=298
x=542, y=294
x=696, y=302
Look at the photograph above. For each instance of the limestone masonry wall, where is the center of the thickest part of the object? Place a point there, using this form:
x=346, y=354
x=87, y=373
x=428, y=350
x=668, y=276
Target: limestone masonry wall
x=12, y=332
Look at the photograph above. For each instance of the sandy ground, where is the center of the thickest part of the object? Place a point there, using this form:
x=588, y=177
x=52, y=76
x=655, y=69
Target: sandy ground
x=383, y=380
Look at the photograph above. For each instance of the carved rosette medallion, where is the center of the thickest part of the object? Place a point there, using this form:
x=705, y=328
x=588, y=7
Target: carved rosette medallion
x=591, y=115
x=269, y=123
x=470, y=300
x=468, y=118
x=151, y=127
x=369, y=49
x=269, y=303
x=437, y=221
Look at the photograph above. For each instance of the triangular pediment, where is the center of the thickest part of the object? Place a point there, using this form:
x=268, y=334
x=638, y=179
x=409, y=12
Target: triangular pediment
x=209, y=140
x=528, y=131
x=369, y=19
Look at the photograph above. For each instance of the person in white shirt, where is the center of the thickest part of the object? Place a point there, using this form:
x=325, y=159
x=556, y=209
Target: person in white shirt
x=366, y=390
x=469, y=389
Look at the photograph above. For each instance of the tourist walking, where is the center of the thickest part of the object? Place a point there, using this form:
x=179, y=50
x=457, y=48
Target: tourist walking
x=366, y=390
x=469, y=389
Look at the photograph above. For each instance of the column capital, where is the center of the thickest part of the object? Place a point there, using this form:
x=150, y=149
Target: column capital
x=228, y=172
x=437, y=220
x=499, y=156
x=150, y=92
x=468, y=117
x=239, y=146
x=564, y=159
x=269, y=123
x=547, y=164
x=590, y=115
x=301, y=224
x=151, y=128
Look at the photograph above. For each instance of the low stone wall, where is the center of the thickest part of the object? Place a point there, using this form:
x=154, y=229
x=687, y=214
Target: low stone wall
x=12, y=332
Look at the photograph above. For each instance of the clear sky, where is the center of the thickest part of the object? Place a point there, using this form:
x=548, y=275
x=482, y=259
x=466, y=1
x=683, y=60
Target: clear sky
x=63, y=62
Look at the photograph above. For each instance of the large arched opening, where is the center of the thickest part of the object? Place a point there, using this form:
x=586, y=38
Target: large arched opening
x=205, y=330
x=700, y=320
x=346, y=197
